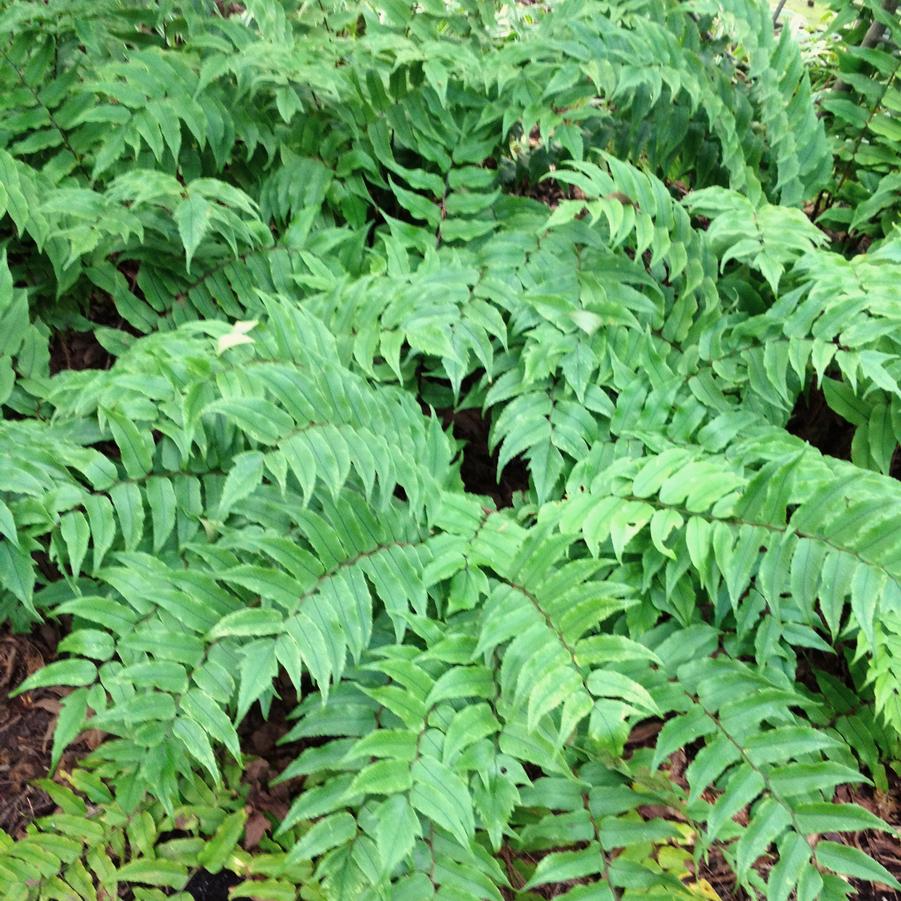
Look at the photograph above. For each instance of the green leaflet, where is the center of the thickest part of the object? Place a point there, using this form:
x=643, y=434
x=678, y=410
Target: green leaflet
x=63, y=672
x=17, y=573
x=853, y=862
x=257, y=669
x=327, y=833
x=441, y=795
x=565, y=865
x=158, y=873
x=216, y=851
x=193, y=219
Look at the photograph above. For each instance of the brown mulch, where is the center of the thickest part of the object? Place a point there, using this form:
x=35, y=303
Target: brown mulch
x=229, y=9
x=879, y=845
x=26, y=729
x=77, y=350
x=267, y=803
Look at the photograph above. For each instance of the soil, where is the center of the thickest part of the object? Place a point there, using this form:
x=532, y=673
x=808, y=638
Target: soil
x=260, y=736
x=817, y=423
x=880, y=846
x=205, y=886
x=77, y=350
x=26, y=729
x=479, y=466
x=73, y=349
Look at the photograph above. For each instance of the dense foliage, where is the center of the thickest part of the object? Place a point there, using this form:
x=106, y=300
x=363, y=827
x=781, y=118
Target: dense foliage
x=306, y=236
x=864, y=105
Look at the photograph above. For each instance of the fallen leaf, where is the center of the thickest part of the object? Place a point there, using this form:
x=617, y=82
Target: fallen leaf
x=255, y=828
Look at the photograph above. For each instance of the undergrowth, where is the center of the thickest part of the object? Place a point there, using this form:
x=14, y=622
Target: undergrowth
x=300, y=238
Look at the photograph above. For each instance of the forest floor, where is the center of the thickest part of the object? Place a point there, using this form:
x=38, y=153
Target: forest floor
x=26, y=729
x=26, y=722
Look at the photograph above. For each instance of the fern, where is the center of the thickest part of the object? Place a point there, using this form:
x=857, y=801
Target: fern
x=304, y=236
x=93, y=845
x=863, y=104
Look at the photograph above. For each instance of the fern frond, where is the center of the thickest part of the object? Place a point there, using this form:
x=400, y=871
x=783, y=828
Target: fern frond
x=296, y=239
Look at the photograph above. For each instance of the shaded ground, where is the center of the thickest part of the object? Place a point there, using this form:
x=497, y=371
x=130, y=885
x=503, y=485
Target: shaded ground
x=479, y=467
x=206, y=886
x=79, y=349
x=816, y=422
x=26, y=724
x=260, y=736
x=76, y=350
x=26, y=729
